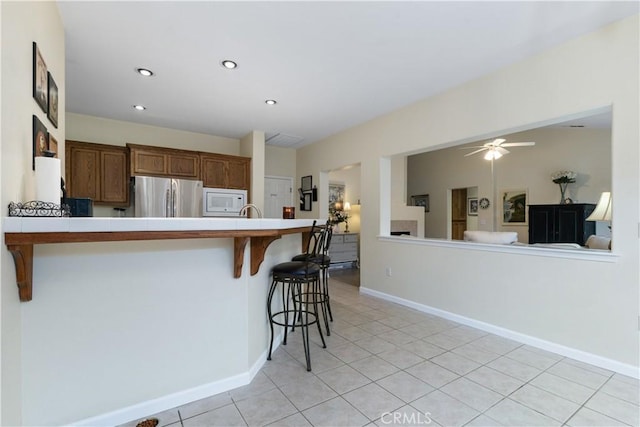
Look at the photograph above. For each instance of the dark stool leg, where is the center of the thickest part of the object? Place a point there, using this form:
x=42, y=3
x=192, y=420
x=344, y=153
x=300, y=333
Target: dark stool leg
x=274, y=286
x=319, y=291
x=315, y=307
x=325, y=276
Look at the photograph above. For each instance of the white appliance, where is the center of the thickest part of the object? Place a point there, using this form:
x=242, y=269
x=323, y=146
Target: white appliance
x=223, y=202
x=167, y=198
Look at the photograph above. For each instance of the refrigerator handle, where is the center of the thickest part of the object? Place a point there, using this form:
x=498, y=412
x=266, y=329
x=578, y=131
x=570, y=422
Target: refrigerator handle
x=167, y=204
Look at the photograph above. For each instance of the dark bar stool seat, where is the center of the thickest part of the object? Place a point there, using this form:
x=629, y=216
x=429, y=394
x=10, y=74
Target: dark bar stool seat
x=300, y=283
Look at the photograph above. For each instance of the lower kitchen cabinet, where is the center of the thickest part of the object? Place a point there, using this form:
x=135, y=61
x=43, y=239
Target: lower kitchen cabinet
x=561, y=223
x=97, y=171
x=344, y=247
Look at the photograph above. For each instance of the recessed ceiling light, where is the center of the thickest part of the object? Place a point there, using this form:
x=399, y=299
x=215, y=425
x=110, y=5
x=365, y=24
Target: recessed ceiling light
x=229, y=64
x=270, y=102
x=144, y=72
x=140, y=107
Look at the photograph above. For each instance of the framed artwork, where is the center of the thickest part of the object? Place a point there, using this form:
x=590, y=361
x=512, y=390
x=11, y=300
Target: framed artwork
x=472, y=206
x=306, y=183
x=336, y=193
x=52, y=98
x=40, y=79
x=306, y=204
x=53, y=145
x=421, y=200
x=514, y=207
x=40, y=140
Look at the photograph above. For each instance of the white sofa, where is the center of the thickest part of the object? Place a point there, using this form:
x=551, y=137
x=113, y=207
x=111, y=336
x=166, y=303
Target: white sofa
x=493, y=237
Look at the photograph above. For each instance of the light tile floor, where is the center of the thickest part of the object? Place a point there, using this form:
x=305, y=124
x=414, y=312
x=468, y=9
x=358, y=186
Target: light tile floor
x=386, y=364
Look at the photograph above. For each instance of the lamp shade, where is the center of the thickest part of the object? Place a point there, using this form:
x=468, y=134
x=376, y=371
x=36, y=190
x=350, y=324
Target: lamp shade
x=347, y=206
x=338, y=206
x=602, y=212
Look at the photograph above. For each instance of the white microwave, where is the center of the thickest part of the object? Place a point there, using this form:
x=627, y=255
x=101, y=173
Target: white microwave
x=223, y=202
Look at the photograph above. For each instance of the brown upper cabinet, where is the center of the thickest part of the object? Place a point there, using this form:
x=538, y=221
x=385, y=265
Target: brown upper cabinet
x=157, y=161
x=97, y=171
x=222, y=171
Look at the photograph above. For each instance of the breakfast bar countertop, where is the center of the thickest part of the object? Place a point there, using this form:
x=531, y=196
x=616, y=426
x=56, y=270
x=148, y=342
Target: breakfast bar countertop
x=22, y=233
x=108, y=224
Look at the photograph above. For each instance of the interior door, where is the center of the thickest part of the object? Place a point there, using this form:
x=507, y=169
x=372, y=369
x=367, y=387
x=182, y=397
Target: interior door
x=458, y=213
x=277, y=193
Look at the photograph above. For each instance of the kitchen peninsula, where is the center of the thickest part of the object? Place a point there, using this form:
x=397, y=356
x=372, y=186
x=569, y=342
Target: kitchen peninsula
x=21, y=233
x=165, y=311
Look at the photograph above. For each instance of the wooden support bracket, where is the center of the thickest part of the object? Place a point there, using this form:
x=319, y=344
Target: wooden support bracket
x=259, y=246
x=23, y=259
x=239, y=244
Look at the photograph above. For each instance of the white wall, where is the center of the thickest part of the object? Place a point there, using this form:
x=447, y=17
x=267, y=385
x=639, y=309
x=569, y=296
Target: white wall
x=585, y=151
x=581, y=304
x=100, y=130
x=280, y=161
x=22, y=24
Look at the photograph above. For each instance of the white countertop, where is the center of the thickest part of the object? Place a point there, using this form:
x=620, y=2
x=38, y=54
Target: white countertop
x=106, y=224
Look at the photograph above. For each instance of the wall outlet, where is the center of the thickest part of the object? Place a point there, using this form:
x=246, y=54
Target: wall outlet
x=388, y=271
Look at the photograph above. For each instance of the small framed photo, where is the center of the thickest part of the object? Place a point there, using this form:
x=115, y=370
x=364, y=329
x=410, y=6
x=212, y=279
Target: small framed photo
x=40, y=140
x=40, y=79
x=472, y=206
x=53, y=145
x=52, y=98
x=306, y=204
x=306, y=183
x=421, y=200
x=514, y=207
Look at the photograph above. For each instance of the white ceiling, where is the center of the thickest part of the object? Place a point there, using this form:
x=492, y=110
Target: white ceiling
x=330, y=65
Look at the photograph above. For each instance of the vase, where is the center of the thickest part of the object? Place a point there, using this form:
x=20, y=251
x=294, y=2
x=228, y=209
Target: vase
x=563, y=190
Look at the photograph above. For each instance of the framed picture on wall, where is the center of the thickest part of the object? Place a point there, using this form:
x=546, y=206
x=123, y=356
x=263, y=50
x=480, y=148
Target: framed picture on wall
x=40, y=140
x=514, y=207
x=306, y=182
x=53, y=145
x=40, y=79
x=336, y=194
x=52, y=98
x=421, y=200
x=305, y=205
x=472, y=206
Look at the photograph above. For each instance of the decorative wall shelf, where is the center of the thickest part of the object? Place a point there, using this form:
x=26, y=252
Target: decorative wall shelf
x=21, y=246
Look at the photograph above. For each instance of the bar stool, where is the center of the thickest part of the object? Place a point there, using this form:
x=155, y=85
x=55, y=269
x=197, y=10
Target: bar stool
x=300, y=282
x=318, y=253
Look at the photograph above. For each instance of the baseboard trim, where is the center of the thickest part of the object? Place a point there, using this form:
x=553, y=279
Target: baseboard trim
x=582, y=356
x=154, y=406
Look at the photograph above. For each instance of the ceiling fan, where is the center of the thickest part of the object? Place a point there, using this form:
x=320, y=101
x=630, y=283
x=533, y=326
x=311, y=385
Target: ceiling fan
x=495, y=149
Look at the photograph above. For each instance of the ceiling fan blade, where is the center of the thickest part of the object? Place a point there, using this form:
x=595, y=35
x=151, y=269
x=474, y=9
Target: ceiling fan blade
x=474, y=152
x=474, y=146
x=518, y=144
x=497, y=141
x=501, y=150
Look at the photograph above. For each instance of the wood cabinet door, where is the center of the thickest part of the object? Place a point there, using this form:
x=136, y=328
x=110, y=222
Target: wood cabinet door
x=184, y=165
x=148, y=162
x=213, y=172
x=114, y=177
x=238, y=174
x=83, y=171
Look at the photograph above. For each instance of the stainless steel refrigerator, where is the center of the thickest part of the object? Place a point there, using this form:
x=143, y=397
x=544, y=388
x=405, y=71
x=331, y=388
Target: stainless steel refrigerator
x=167, y=197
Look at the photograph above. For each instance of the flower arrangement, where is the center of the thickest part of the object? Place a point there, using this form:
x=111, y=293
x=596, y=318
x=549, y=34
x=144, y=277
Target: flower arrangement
x=337, y=216
x=564, y=177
